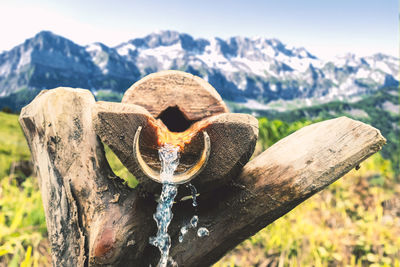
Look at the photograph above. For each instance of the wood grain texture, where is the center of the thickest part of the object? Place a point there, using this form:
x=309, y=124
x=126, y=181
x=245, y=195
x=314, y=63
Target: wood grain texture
x=233, y=138
x=95, y=220
x=195, y=97
x=88, y=209
x=116, y=125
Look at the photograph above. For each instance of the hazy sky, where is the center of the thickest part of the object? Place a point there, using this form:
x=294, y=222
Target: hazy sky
x=324, y=27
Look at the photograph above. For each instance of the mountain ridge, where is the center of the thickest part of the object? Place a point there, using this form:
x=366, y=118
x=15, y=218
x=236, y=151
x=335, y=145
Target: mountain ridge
x=242, y=69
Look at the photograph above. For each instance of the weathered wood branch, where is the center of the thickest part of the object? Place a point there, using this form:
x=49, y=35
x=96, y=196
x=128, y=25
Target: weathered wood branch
x=275, y=182
x=95, y=220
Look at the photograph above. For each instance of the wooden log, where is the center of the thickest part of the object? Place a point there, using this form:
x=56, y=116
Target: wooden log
x=93, y=219
x=91, y=216
x=195, y=97
x=179, y=109
x=232, y=136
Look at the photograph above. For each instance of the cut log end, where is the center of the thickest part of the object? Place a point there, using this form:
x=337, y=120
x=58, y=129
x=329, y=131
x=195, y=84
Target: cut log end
x=171, y=90
x=231, y=137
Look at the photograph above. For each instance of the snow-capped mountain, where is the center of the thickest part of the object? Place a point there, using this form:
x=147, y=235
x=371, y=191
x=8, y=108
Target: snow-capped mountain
x=252, y=71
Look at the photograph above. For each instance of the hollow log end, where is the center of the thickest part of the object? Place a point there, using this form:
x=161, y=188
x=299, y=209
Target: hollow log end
x=193, y=96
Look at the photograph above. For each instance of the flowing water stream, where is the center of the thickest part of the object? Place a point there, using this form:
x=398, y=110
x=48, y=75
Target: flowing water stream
x=169, y=157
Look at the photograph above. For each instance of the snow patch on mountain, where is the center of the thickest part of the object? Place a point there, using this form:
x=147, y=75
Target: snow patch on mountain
x=255, y=72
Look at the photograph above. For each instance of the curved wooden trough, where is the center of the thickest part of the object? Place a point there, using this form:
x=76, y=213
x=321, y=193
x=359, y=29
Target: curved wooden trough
x=160, y=104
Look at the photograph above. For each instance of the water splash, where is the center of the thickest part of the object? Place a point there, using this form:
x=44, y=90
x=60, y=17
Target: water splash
x=183, y=232
x=192, y=224
x=193, y=190
x=194, y=221
x=169, y=158
x=202, y=231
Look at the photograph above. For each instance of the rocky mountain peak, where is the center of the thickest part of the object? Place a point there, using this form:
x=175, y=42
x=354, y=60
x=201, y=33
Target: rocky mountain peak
x=242, y=69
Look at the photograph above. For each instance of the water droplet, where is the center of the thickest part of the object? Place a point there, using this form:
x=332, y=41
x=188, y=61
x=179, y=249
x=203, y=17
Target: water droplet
x=193, y=190
x=194, y=221
x=202, y=231
x=192, y=224
x=183, y=231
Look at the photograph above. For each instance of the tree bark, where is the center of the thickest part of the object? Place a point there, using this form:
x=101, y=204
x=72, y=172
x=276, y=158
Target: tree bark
x=93, y=219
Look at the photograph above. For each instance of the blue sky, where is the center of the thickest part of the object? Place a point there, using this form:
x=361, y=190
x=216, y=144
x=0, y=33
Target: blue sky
x=325, y=27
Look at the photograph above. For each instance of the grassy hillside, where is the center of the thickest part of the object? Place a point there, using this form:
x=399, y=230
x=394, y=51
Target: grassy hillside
x=13, y=146
x=380, y=110
x=354, y=222
x=22, y=224
x=15, y=101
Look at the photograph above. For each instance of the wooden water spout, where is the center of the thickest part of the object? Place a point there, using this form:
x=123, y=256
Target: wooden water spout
x=161, y=103
x=93, y=219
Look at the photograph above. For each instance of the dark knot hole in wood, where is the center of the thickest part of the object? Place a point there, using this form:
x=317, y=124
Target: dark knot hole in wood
x=175, y=119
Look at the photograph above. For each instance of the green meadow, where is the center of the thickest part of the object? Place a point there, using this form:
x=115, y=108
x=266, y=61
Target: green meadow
x=354, y=222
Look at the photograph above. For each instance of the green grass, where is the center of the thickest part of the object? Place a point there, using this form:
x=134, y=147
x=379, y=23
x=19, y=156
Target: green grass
x=387, y=122
x=119, y=169
x=13, y=146
x=103, y=95
x=22, y=223
x=23, y=232
x=344, y=225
